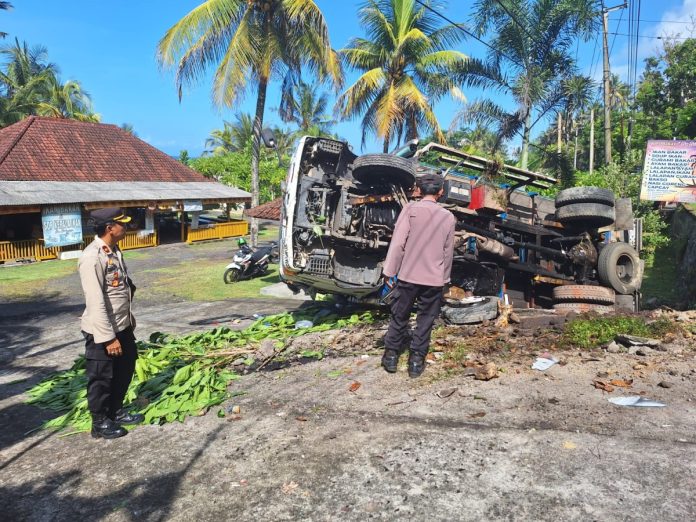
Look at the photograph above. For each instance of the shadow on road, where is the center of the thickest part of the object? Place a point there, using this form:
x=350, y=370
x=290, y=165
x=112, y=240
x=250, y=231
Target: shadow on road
x=52, y=497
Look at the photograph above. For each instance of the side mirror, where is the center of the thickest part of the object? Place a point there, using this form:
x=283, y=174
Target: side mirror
x=268, y=138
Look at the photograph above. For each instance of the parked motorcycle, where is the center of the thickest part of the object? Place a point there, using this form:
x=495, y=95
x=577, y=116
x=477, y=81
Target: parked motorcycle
x=248, y=263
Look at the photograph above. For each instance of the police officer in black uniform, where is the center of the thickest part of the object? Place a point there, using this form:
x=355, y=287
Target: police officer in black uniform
x=107, y=325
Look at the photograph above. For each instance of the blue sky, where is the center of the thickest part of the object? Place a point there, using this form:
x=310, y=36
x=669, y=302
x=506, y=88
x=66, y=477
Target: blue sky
x=110, y=48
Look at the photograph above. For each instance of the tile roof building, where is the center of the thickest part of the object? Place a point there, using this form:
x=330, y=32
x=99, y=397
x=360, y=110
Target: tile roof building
x=48, y=162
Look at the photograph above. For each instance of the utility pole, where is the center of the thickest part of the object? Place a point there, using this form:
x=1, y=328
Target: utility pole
x=591, y=140
x=607, y=82
x=559, y=137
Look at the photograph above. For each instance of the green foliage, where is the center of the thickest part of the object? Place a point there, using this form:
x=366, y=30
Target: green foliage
x=29, y=85
x=588, y=333
x=234, y=169
x=177, y=377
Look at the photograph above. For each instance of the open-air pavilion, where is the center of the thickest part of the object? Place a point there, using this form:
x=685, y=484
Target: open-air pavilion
x=53, y=172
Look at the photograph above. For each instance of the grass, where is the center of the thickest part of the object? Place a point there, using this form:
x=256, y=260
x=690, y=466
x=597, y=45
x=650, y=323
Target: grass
x=27, y=281
x=202, y=281
x=660, y=278
x=587, y=333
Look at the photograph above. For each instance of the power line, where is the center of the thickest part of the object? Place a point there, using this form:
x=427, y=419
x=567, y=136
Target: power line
x=664, y=21
x=635, y=65
x=653, y=37
x=462, y=28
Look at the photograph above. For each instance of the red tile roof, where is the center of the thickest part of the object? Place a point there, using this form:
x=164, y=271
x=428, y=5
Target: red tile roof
x=52, y=149
x=270, y=210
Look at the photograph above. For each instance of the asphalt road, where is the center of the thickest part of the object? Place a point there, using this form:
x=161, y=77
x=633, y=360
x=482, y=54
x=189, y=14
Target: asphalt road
x=528, y=445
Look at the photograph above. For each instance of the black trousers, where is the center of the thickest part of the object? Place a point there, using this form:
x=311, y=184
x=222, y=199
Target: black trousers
x=108, y=377
x=429, y=299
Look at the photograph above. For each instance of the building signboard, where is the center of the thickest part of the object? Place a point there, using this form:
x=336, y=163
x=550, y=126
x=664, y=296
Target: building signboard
x=669, y=173
x=62, y=225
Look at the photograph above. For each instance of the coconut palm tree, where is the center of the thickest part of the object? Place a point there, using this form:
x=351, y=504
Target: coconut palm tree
x=232, y=137
x=249, y=43
x=303, y=104
x=529, y=60
x=406, y=68
x=67, y=100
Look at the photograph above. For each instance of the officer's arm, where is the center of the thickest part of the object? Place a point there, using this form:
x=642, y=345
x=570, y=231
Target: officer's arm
x=449, y=249
x=92, y=279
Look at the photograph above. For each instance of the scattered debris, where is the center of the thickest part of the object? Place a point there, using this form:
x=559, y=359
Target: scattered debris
x=303, y=324
x=354, y=387
x=601, y=385
x=636, y=402
x=569, y=445
x=544, y=363
x=486, y=372
x=477, y=415
x=664, y=384
x=301, y=419
x=634, y=340
x=443, y=394
x=236, y=410
x=620, y=383
x=614, y=347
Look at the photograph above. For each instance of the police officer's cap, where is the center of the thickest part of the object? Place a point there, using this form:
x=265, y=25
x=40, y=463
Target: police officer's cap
x=430, y=180
x=109, y=215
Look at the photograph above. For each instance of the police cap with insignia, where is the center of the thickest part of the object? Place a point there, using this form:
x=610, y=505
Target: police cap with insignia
x=109, y=215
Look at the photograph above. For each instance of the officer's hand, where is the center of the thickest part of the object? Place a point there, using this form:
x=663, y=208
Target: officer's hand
x=113, y=348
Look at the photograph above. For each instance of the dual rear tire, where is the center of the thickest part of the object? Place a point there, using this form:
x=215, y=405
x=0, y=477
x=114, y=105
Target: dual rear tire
x=585, y=207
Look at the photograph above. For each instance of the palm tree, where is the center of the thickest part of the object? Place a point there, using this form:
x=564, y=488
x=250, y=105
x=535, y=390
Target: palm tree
x=529, y=60
x=232, y=137
x=67, y=100
x=249, y=43
x=406, y=67
x=304, y=105
x=579, y=92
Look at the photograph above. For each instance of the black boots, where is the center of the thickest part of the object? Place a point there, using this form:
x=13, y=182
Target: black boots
x=416, y=365
x=416, y=362
x=390, y=360
x=105, y=428
x=125, y=417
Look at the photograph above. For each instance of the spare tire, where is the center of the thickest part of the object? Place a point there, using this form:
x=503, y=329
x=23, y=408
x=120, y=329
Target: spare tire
x=585, y=195
x=590, y=215
x=374, y=168
x=469, y=313
x=620, y=267
x=584, y=294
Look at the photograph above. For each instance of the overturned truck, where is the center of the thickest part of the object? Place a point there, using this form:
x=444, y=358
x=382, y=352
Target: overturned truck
x=578, y=251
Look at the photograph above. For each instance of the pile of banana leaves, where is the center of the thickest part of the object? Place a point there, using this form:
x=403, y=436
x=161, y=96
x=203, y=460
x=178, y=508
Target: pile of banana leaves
x=176, y=377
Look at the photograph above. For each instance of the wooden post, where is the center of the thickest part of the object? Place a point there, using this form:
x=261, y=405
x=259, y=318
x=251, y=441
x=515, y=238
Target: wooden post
x=559, y=139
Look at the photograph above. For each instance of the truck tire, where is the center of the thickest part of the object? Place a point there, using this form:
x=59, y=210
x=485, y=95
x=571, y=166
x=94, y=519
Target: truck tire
x=585, y=195
x=371, y=168
x=590, y=215
x=584, y=294
x=619, y=267
x=583, y=308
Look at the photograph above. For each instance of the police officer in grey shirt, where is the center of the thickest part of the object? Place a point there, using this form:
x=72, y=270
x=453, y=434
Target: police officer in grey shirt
x=107, y=325
x=420, y=254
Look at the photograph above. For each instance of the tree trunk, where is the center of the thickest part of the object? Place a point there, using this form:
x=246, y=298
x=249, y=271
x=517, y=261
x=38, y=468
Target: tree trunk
x=255, y=152
x=524, y=157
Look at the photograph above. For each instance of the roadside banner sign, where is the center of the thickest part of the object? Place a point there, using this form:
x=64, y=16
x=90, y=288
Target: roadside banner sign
x=669, y=173
x=62, y=225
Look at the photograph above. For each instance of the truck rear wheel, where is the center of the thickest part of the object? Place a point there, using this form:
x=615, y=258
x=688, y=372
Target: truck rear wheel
x=583, y=308
x=620, y=267
x=584, y=294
